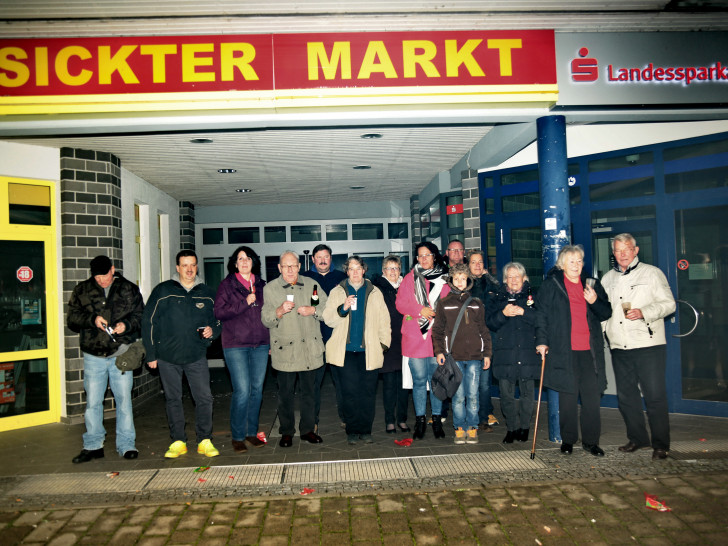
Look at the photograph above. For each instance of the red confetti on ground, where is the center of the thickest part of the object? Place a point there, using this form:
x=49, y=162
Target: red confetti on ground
x=261, y=437
x=652, y=503
x=307, y=491
x=201, y=480
x=404, y=442
x=702, y=439
x=231, y=477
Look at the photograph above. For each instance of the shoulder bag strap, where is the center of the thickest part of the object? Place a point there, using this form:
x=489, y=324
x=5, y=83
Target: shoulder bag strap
x=457, y=322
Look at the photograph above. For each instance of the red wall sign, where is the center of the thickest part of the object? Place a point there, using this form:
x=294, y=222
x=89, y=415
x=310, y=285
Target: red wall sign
x=24, y=273
x=172, y=64
x=454, y=209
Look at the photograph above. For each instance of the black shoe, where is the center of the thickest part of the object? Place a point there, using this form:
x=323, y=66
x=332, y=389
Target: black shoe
x=312, y=438
x=567, y=448
x=659, y=454
x=523, y=434
x=286, y=440
x=510, y=436
x=630, y=447
x=420, y=428
x=437, y=429
x=131, y=454
x=594, y=449
x=390, y=430
x=404, y=428
x=88, y=454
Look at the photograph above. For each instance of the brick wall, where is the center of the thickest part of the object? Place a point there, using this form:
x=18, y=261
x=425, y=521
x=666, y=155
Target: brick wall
x=187, y=225
x=471, y=212
x=415, y=222
x=90, y=226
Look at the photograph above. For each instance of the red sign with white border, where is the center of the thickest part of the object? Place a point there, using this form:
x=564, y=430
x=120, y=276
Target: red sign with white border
x=24, y=273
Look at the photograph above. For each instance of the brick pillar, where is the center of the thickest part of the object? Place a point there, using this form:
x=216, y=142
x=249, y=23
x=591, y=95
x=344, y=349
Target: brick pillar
x=471, y=212
x=415, y=222
x=186, y=225
x=90, y=226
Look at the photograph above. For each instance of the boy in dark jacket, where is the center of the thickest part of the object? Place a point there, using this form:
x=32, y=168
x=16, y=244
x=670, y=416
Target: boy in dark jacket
x=471, y=350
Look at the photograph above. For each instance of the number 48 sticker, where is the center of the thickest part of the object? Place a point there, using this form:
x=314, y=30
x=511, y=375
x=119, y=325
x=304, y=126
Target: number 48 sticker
x=24, y=273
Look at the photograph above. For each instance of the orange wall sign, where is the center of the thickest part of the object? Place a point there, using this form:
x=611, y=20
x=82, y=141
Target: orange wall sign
x=230, y=63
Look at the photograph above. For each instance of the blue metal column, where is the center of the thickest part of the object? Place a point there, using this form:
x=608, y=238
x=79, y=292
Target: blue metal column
x=553, y=186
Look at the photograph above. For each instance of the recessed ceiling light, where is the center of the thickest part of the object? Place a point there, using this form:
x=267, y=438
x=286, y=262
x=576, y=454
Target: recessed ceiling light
x=357, y=187
x=227, y=171
x=371, y=135
x=243, y=190
x=201, y=140
x=361, y=167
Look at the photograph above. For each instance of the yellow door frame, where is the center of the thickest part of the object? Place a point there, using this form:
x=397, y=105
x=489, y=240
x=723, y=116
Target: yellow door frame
x=52, y=353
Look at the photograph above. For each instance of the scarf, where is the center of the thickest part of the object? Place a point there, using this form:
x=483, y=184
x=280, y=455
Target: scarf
x=395, y=285
x=421, y=294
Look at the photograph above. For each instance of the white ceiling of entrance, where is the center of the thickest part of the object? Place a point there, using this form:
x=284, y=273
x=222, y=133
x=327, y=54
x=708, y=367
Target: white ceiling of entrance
x=302, y=164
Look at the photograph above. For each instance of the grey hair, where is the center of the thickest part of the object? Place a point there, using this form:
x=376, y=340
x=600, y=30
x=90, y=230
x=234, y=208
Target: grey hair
x=292, y=252
x=476, y=252
x=392, y=258
x=569, y=249
x=625, y=238
x=356, y=259
x=518, y=266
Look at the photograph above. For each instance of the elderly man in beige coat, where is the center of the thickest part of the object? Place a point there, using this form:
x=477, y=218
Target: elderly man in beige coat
x=295, y=344
x=360, y=319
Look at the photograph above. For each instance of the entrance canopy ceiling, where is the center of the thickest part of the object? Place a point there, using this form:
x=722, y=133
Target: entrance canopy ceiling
x=308, y=157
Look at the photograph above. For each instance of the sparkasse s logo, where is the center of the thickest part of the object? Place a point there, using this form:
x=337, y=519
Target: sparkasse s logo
x=585, y=69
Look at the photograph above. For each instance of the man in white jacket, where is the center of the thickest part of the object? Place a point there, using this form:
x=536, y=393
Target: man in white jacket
x=641, y=299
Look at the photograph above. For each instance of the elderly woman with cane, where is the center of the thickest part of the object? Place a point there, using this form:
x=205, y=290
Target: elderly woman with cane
x=569, y=335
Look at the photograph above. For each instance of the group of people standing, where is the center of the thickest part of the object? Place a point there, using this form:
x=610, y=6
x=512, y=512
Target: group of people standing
x=398, y=327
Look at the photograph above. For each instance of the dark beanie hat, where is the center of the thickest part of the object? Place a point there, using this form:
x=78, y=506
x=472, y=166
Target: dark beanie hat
x=100, y=265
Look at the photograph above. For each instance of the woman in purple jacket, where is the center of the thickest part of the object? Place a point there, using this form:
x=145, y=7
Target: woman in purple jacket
x=245, y=343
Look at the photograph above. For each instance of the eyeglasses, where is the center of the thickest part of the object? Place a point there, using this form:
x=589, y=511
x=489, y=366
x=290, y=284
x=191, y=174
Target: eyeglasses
x=290, y=267
x=456, y=250
x=392, y=269
x=624, y=250
x=356, y=269
x=424, y=256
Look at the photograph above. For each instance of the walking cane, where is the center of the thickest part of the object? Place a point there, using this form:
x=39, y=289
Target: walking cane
x=538, y=407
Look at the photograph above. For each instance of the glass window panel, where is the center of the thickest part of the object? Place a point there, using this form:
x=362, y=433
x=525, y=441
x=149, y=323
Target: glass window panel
x=518, y=177
x=398, y=230
x=488, y=182
x=524, y=201
x=365, y=232
x=622, y=189
x=374, y=263
x=305, y=233
x=29, y=204
x=23, y=387
x=243, y=235
x=620, y=162
x=271, y=267
x=620, y=215
x=275, y=234
x=212, y=236
x=695, y=150
x=425, y=224
x=574, y=195
x=490, y=248
x=22, y=296
x=697, y=180
x=435, y=218
x=454, y=221
x=489, y=205
x=214, y=271
x=337, y=232
x=526, y=248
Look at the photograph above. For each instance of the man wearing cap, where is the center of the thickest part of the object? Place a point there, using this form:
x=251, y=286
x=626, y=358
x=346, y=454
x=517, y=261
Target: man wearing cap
x=106, y=310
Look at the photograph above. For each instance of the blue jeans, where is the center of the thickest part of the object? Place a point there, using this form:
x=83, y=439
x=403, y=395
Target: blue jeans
x=247, y=366
x=465, y=403
x=98, y=373
x=486, y=405
x=422, y=370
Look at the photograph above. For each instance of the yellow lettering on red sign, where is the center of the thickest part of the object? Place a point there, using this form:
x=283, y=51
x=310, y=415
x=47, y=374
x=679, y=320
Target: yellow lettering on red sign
x=340, y=55
x=109, y=64
x=159, y=59
x=504, y=48
x=419, y=52
x=41, y=66
x=229, y=60
x=190, y=63
x=14, y=73
x=61, y=65
x=376, y=50
x=454, y=57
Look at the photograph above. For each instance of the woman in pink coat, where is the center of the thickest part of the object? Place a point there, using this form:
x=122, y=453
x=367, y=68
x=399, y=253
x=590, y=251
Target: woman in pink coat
x=417, y=300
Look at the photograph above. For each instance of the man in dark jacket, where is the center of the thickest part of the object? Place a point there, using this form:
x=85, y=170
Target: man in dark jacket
x=179, y=325
x=106, y=310
x=327, y=279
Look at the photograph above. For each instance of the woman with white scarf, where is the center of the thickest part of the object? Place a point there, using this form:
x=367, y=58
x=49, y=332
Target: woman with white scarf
x=417, y=299
x=395, y=397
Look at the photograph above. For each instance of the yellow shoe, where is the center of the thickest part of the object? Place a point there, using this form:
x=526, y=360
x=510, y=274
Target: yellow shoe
x=459, y=435
x=176, y=449
x=472, y=436
x=492, y=420
x=206, y=448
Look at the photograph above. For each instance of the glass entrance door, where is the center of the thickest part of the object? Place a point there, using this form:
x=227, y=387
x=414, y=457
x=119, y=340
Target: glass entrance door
x=701, y=239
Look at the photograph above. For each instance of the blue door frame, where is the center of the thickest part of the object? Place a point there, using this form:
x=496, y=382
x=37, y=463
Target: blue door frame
x=664, y=204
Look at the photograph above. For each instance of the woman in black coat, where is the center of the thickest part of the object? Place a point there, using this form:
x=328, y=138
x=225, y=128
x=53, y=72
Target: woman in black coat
x=394, y=396
x=569, y=333
x=511, y=317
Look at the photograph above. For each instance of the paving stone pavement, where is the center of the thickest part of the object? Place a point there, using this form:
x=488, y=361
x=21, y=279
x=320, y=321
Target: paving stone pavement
x=603, y=511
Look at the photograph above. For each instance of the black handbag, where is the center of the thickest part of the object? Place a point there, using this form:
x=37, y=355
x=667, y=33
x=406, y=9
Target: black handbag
x=447, y=378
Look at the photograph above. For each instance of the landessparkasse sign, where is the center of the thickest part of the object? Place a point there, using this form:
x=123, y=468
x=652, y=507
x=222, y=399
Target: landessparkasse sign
x=642, y=68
